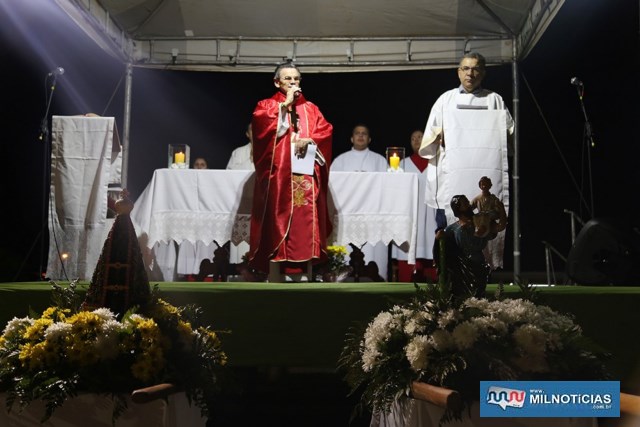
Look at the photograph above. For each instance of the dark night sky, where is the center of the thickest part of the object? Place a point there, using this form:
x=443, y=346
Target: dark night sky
x=596, y=41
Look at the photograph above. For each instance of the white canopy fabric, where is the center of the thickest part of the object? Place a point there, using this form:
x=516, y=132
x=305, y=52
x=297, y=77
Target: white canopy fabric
x=320, y=35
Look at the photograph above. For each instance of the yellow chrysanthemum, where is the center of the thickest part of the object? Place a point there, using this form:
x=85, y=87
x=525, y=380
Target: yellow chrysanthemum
x=185, y=331
x=82, y=353
x=85, y=322
x=168, y=307
x=337, y=250
x=57, y=314
x=148, y=329
x=142, y=370
x=35, y=332
x=33, y=356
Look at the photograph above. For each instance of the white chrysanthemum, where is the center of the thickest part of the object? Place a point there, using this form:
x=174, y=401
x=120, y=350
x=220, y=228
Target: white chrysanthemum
x=513, y=310
x=465, y=335
x=481, y=304
x=378, y=331
x=104, y=313
x=57, y=331
x=448, y=317
x=530, y=339
x=442, y=340
x=111, y=327
x=554, y=342
x=550, y=320
x=369, y=359
x=416, y=323
x=489, y=327
x=417, y=352
x=135, y=318
x=107, y=343
x=16, y=326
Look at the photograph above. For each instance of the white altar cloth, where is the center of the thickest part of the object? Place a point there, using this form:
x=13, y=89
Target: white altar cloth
x=95, y=411
x=418, y=413
x=85, y=159
x=215, y=205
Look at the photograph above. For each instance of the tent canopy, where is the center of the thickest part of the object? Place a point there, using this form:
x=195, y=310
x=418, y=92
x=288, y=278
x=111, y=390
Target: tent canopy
x=319, y=35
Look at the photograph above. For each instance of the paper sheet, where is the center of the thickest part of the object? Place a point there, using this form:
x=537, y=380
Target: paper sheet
x=303, y=165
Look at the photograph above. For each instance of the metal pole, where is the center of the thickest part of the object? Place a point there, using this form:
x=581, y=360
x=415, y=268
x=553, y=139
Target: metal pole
x=126, y=126
x=515, y=172
x=547, y=255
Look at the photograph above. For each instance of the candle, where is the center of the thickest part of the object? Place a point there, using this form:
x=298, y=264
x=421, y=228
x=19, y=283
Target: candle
x=394, y=161
x=179, y=158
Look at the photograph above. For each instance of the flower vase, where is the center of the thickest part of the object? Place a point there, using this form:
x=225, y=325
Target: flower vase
x=336, y=276
x=330, y=276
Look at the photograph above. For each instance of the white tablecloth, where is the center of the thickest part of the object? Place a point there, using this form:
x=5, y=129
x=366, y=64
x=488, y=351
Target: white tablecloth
x=85, y=159
x=215, y=205
x=95, y=411
x=418, y=413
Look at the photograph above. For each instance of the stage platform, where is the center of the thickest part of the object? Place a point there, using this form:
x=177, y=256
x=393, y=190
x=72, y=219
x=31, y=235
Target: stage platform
x=303, y=325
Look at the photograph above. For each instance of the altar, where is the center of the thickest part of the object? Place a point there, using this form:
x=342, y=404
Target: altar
x=209, y=205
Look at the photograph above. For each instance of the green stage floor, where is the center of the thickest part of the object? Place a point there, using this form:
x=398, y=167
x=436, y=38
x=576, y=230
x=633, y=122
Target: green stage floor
x=303, y=325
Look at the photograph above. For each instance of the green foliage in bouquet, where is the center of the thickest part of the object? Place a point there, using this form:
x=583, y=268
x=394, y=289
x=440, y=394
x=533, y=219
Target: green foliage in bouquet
x=455, y=343
x=66, y=351
x=337, y=258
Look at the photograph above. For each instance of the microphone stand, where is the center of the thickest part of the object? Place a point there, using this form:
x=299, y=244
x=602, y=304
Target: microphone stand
x=589, y=143
x=45, y=137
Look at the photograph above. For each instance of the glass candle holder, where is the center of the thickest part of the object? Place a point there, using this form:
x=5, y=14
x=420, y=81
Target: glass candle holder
x=178, y=156
x=395, y=159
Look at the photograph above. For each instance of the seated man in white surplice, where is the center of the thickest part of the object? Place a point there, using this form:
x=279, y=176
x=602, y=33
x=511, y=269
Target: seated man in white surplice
x=361, y=159
x=466, y=138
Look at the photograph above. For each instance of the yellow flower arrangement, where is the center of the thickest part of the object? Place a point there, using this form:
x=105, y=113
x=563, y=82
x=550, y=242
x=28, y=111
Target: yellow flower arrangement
x=337, y=258
x=66, y=351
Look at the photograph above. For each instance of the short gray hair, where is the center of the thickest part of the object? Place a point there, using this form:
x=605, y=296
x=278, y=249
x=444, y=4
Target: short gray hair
x=276, y=75
x=477, y=56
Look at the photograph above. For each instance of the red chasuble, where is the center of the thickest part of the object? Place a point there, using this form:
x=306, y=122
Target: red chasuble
x=289, y=218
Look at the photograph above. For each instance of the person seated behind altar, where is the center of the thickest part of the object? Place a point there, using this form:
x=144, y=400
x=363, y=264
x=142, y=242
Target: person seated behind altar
x=200, y=163
x=423, y=269
x=242, y=157
x=361, y=159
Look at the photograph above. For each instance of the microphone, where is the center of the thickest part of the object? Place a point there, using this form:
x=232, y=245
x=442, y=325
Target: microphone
x=576, y=82
x=58, y=71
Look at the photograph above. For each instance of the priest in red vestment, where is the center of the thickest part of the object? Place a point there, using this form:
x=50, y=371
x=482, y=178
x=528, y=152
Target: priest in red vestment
x=289, y=218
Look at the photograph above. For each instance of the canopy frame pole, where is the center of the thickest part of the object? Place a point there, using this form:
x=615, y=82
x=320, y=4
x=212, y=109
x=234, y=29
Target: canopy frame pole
x=515, y=170
x=126, y=126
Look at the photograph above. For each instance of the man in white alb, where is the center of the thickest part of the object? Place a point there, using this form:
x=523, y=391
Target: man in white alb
x=361, y=159
x=466, y=138
x=242, y=157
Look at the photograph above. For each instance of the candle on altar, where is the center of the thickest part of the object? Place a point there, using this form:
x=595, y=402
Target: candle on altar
x=179, y=157
x=394, y=161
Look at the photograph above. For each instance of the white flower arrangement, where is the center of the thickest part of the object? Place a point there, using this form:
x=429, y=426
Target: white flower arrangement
x=456, y=343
